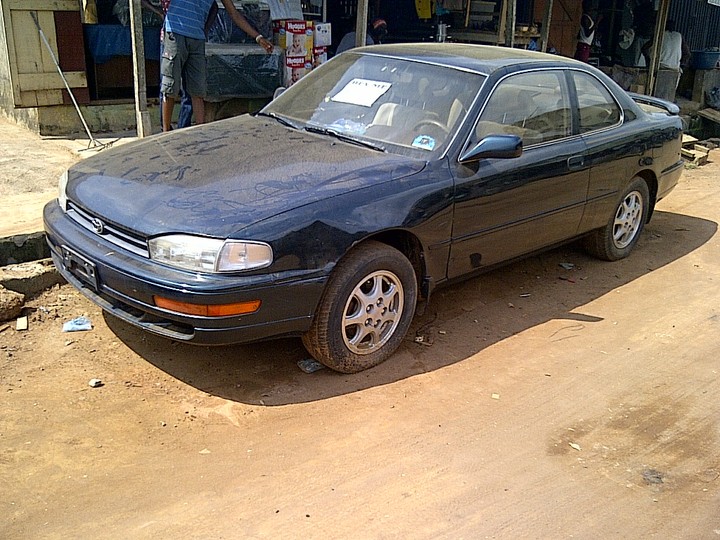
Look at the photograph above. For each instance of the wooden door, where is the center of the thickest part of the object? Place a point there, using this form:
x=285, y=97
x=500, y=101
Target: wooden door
x=33, y=72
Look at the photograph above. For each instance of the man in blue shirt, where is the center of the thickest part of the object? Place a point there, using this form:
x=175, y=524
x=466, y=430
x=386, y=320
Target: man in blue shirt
x=184, y=53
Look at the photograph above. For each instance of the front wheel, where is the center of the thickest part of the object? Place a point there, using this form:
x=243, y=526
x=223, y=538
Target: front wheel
x=365, y=310
x=617, y=239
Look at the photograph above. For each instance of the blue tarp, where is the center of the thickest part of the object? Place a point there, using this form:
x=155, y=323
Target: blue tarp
x=107, y=40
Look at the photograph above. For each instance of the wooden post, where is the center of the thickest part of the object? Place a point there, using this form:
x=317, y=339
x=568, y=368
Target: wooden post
x=144, y=127
x=545, y=31
x=361, y=23
x=510, y=24
x=660, y=21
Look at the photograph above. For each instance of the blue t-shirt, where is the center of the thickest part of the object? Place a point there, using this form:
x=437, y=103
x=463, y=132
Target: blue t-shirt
x=187, y=17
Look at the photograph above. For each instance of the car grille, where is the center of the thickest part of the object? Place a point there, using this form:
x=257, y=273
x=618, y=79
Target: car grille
x=112, y=233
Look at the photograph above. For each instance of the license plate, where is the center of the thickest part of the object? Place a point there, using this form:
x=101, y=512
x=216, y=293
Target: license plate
x=80, y=267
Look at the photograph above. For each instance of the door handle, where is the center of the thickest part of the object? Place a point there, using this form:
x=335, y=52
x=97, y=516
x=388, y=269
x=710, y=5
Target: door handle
x=575, y=162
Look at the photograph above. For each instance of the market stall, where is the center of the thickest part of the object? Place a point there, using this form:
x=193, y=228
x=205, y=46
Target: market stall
x=109, y=50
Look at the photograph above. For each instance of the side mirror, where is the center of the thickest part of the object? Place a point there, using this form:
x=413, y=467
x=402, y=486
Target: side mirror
x=494, y=146
x=278, y=91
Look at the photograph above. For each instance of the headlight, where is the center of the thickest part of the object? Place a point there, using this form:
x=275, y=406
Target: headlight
x=62, y=191
x=209, y=254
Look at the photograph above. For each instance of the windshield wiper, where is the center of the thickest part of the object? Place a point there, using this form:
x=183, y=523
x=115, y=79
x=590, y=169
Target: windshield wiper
x=344, y=137
x=274, y=116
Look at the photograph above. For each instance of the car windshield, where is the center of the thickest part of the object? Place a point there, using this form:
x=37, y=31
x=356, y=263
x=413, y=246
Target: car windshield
x=396, y=105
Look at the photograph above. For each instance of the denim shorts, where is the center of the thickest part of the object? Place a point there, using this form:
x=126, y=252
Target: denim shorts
x=183, y=57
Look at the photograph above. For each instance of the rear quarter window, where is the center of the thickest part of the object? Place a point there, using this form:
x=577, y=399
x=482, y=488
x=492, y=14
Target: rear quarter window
x=597, y=108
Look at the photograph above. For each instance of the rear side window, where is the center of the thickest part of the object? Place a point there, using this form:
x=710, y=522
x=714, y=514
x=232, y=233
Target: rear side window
x=597, y=108
x=532, y=105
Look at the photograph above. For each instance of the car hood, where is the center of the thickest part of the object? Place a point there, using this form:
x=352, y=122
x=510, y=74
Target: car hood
x=216, y=179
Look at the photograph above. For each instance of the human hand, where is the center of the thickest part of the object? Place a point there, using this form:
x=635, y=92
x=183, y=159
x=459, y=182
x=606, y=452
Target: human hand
x=265, y=44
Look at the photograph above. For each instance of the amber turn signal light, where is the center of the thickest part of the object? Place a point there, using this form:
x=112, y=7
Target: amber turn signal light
x=208, y=310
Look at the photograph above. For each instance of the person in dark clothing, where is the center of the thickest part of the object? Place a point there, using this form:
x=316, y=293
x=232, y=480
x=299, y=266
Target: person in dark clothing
x=377, y=31
x=644, y=17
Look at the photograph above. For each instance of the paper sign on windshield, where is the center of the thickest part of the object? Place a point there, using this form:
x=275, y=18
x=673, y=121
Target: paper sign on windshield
x=362, y=92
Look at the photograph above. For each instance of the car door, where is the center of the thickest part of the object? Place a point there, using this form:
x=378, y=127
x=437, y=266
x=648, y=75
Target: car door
x=613, y=149
x=508, y=207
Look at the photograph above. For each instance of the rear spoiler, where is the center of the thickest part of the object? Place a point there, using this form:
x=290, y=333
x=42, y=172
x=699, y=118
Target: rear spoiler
x=671, y=108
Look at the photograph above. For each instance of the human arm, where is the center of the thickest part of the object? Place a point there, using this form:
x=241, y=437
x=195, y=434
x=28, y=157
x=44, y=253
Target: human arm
x=245, y=26
x=587, y=23
x=686, y=54
x=147, y=5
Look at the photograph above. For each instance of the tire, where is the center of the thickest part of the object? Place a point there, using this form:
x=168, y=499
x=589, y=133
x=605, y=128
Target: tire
x=365, y=311
x=618, y=238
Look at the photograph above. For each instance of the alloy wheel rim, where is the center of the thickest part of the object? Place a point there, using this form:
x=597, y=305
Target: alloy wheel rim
x=373, y=312
x=627, y=220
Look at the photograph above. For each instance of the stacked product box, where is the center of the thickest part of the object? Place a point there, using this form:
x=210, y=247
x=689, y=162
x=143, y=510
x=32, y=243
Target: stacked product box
x=320, y=56
x=296, y=39
x=322, y=39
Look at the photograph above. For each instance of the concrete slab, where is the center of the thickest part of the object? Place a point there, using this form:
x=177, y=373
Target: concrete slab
x=30, y=278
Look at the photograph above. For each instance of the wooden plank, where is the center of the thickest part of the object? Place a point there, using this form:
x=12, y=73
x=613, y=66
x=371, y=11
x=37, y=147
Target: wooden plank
x=49, y=97
x=710, y=114
x=144, y=126
x=28, y=47
x=47, y=23
x=10, y=43
x=510, y=23
x=28, y=99
x=503, y=21
x=44, y=5
x=696, y=157
x=545, y=31
x=51, y=81
x=688, y=139
x=41, y=98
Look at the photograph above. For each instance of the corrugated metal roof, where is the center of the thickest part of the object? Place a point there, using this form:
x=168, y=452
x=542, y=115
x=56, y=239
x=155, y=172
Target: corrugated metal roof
x=698, y=21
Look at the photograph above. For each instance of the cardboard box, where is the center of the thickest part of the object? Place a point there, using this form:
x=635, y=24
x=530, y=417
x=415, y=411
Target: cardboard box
x=320, y=56
x=296, y=67
x=322, y=34
x=296, y=37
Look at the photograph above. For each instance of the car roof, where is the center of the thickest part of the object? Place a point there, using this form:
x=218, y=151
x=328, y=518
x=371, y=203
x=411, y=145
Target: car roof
x=479, y=58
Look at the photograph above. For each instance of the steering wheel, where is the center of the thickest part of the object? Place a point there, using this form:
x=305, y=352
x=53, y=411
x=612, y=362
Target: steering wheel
x=434, y=123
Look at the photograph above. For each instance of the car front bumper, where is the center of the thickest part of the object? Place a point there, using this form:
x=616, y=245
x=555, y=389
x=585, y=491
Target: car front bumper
x=124, y=284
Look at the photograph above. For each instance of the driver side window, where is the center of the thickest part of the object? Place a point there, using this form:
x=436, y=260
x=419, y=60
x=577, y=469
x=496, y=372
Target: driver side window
x=533, y=106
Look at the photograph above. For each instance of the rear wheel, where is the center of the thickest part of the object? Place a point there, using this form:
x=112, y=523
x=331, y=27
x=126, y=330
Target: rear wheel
x=365, y=311
x=617, y=239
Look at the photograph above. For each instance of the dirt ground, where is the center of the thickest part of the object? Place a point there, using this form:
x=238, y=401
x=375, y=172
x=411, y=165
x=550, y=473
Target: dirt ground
x=543, y=402
x=29, y=170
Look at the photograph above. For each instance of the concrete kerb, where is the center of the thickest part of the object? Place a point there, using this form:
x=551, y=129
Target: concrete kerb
x=23, y=248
